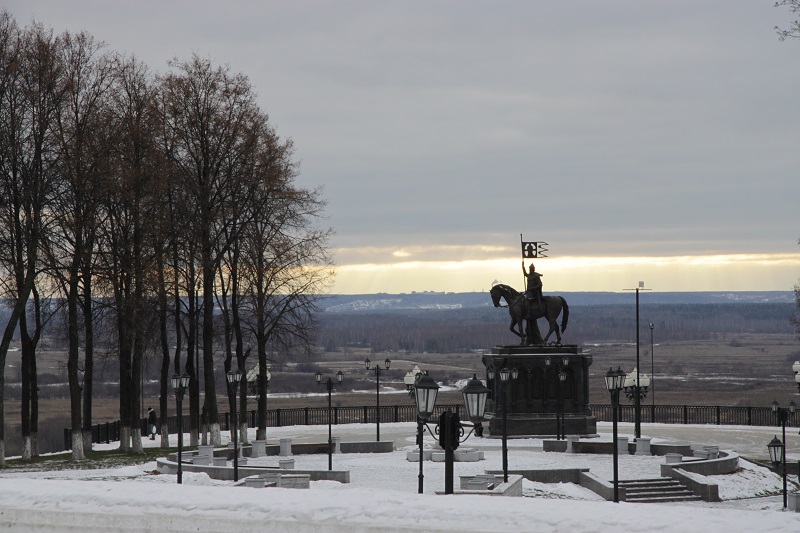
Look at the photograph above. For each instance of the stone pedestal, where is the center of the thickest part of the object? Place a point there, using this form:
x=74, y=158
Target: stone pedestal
x=337, y=444
x=286, y=464
x=793, y=501
x=643, y=446
x=286, y=447
x=205, y=451
x=622, y=446
x=536, y=398
x=258, y=448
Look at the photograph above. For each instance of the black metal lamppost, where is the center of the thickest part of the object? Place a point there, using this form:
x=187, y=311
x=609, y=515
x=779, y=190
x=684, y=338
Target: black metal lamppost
x=783, y=416
x=630, y=386
x=450, y=428
x=425, y=390
x=329, y=384
x=505, y=374
x=561, y=376
x=386, y=363
x=637, y=398
x=179, y=385
x=652, y=377
x=615, y=379
x=234, y=379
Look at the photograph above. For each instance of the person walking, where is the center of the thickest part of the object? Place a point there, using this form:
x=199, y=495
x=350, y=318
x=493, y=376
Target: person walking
x=151, y=422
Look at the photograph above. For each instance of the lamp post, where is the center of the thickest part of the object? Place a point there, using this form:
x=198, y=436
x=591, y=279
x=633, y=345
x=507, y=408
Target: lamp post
x=652, y=377
x=777, y=454
x=386, y=363
x=234, y=379
x=630, y=386
x=615, y=379
x=329, y=384
x=425, y=391
x=796, y=369
x=783, y=416
x=450, y=428
x=637, y=397
x=179, y=385
x=561, y=377
x=505, y=374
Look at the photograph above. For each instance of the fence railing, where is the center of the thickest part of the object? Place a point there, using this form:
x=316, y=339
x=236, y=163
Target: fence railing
x=309, y=416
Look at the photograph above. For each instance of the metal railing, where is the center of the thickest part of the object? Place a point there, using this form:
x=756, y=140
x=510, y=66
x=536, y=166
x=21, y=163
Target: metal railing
x=308, y=416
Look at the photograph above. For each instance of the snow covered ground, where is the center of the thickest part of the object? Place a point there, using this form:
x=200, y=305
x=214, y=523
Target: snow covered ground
x=382, y=495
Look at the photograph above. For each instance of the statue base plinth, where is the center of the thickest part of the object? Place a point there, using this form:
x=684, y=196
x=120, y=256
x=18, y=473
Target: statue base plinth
x=538, y=396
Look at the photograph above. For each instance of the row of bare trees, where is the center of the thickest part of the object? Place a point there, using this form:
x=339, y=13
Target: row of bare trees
x=166, y=202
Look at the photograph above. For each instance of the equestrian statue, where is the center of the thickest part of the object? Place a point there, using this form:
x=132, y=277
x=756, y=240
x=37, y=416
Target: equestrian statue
x=526, y=308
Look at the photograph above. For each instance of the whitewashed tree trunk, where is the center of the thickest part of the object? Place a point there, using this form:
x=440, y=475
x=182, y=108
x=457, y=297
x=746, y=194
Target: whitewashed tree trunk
x=136, y=446
x=164, y=436
x=87, y=440
x=26, y=448
x=243, y=433
x=124, y=439
x=77, y=445
x=216, y=435
x=2, y=452
x=35, y=444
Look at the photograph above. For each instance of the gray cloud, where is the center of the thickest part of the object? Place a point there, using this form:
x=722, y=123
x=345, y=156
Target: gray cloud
x=604, y=127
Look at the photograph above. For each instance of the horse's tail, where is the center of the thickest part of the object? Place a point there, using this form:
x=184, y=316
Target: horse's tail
x=565, y=318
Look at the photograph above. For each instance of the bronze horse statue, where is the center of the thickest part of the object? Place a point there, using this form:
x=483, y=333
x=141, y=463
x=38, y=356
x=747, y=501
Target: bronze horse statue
x=515, y=302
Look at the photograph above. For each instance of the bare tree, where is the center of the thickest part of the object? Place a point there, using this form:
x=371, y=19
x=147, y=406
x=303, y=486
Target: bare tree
x=84, y=170
x=131, y=205
x=285, y=260
x=213, y=119
x=30, y=96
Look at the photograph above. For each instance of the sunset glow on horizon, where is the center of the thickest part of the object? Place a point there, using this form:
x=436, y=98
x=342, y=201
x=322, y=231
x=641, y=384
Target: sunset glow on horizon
x=732, y=272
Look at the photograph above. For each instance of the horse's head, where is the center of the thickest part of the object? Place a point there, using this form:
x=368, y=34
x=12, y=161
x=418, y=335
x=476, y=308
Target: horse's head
x=501, y=291
x=496, y=294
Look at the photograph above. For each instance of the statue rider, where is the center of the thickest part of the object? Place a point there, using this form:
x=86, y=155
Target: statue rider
x=533, y=289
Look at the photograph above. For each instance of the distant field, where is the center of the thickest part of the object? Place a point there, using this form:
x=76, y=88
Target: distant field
x=735, y=370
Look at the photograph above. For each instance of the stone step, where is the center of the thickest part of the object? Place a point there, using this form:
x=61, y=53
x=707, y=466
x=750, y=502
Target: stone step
x=664, y=499
x=656, y=490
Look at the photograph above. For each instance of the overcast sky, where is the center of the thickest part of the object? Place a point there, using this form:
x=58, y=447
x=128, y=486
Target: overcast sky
x=652, y=141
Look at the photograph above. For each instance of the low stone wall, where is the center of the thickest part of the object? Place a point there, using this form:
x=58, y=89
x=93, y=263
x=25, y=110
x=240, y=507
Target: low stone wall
x=600, y=486
x=555, y=475
x=225, y=473
x=727, y=463
x=512, y=488
x=664, y=449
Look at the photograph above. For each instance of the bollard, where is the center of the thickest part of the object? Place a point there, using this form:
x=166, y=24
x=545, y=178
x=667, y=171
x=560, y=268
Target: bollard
x=286, y=447
x=337, y=444
x=643, y=446
x=622, y=445
x=258, y=448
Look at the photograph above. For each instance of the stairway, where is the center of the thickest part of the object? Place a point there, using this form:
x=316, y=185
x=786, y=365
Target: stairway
x=656, y=490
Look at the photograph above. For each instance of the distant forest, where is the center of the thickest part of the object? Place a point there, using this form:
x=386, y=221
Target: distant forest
x=459, y=330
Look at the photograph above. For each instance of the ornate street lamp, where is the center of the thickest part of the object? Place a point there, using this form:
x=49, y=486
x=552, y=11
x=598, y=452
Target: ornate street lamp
x=630, y=386
x=615, y=379
x=561, y=378
x=425, y=390
x=179, y=385
x=329, y=385
x=411, y=378
x=234, y=379
x=505, y=374
x=777, y=454
x=783, y=416
x=450, y=428
x=386, y=363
